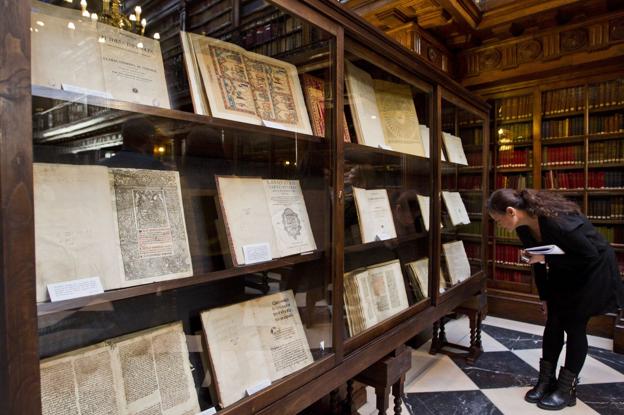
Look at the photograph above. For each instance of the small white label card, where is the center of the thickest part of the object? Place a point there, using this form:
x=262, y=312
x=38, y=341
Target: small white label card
x=255, y=253
x=209, y=411
x=263, y=384
x=76, y=288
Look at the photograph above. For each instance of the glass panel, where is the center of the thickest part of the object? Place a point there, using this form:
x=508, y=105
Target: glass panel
x=192, y=181
x=387, y=190
x=462, y=197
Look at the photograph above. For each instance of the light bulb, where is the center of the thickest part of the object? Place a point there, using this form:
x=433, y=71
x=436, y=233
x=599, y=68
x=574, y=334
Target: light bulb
x=157, y=36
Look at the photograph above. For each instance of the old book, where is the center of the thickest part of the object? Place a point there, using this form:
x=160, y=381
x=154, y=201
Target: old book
x=74, y=53
x=151, y=225
x=423, y=203
x=455, y=208
x=398, y=117
x=454, y=149
x=243, y=86
x=373, y=294
x=254, y=343
x=125, y=226
x=147, y=372
x=456, y=261
x=366, y=117
x=314, y=92
x=418, y=272
x=266, y=218
x=425, y=138
x=374, y=214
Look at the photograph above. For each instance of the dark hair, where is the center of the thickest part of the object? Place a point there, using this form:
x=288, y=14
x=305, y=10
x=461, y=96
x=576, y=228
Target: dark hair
x=535, y=203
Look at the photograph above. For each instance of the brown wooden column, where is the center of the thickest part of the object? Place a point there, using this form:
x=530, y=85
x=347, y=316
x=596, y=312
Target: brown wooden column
x=19, y=362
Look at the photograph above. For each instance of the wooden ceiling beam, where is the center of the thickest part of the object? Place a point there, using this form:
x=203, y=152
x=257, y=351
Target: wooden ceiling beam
x=464, y=12
x=517, y=10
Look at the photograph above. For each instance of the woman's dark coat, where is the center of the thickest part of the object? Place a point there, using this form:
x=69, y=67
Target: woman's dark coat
x=583, y=282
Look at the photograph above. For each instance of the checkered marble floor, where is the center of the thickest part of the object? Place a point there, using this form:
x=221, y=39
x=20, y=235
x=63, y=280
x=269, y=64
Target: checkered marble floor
x=497, y=382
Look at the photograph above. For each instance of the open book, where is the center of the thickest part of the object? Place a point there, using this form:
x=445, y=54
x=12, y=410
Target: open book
x=456, y=261
x=147, y=372
x=545, y=250
x=229, y=82
x=314, y=92
x=455, y=208
x=125, y=226
x=373, y=294
x=374, y=214
x=383, y=112
x=418, y=272
x=264, y=219
x=254, y=343
x=454, y=149
x=76, y=54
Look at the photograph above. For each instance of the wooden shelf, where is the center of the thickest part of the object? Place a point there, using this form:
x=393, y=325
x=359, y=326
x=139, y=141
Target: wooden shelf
x=564, y=167
x=605, y=192
x=464, y=236
x=605, y=136
x=516, y=121
x=470, y=169
x=563, y=140
x=169, y=114
x=513, y=267
x=377, y=244
x=361, y=153
x=563, y=115
x=513, y=169
x=606, y=221
x=607, y=108
x=507, y=241
x=523, y=143
x=469, y=190
x=567, y=191
x=122, y=293
x=609, y=165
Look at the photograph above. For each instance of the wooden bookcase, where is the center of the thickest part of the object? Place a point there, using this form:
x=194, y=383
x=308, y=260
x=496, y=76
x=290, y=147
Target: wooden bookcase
x=41, y=124
x=565, y=136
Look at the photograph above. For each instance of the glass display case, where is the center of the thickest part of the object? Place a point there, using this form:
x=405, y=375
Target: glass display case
x=219, y=205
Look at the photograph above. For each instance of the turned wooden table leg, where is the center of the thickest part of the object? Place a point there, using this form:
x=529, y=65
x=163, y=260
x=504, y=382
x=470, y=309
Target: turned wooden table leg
x=398, y=391
x=383, y=399
x=333, y=401
x=349, y=404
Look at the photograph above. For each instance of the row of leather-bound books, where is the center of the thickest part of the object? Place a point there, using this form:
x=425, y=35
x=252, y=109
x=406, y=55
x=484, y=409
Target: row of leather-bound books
x=564, y=100
x=606, y=208
x=612, y=233
x=515, y=108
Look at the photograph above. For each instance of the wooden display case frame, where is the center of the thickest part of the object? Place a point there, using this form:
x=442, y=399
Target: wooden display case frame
x=19, y=356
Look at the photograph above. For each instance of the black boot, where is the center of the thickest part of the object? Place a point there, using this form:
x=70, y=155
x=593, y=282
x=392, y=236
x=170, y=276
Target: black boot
x=546, y=383
x=565, y=395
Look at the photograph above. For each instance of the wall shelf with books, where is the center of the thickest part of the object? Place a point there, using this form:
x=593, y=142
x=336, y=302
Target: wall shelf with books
x=225, y=182
x=575, y=134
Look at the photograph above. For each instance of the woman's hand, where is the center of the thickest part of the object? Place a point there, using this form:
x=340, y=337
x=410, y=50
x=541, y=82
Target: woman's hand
x=544, y=305
x=533, y=258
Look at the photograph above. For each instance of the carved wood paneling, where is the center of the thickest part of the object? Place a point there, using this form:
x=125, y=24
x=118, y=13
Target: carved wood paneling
x=551, y=49
x=414, y=38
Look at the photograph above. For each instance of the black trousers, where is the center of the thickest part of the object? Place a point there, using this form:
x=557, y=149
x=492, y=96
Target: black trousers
x=576, y=343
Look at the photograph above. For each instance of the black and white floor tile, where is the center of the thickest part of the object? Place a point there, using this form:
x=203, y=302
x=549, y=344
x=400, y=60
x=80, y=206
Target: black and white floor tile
x=497, y=382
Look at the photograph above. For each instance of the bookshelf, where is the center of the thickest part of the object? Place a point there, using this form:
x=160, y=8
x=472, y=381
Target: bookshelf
x=564, y=136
